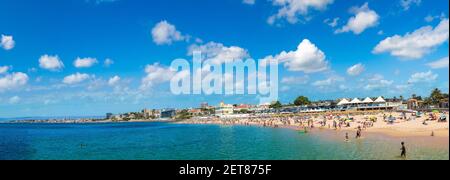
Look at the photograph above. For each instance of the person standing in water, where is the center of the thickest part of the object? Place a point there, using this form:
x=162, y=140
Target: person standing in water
x=346, y=137
x=403, y=149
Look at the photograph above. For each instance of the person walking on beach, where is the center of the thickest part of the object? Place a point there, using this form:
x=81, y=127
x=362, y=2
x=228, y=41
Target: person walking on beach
x=403, y=149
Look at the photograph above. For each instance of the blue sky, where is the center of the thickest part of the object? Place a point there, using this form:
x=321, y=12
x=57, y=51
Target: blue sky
x=352, y=49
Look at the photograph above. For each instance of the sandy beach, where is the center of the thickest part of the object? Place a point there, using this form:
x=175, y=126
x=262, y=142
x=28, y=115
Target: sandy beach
x=404, y=125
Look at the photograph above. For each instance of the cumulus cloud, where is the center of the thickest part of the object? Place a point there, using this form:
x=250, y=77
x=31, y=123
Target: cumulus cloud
x=422, y=77
x=85, y=62
x=12, y=81
x=113, y=81
x=250, y=2
x=217, y=53
x=108, y=62
x=4, y=69
x=439, y=64
x=308, y=58
x=331, y=81
x=156, y=74
x=356, y=70
x=292, y=9
x=295, y=80
x=165, y=33
x=7, y=42
x=364, y=18
x=332, y=22
x=75, y=78
x=416, y=44
x=52, y=63
x=14, y=100
x=377, y=82
x=406, y=4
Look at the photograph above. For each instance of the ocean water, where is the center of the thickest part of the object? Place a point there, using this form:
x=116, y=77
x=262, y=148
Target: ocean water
x=165, y=141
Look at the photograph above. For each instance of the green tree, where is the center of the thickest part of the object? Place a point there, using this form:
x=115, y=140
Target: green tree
x=435, y=97
x=301, y=101
x=276, y=105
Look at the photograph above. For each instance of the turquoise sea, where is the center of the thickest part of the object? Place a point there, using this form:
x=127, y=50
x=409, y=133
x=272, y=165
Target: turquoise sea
x=166, y=141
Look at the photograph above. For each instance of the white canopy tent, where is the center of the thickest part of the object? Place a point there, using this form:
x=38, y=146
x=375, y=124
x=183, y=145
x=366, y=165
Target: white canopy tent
x=343, y=102
x=368, y=100
x=380, y=100
x=356, y=101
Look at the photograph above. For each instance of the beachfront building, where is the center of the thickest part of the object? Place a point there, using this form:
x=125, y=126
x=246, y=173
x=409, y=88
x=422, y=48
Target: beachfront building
x=151, y=113
x=224, y=109
x=369, y=104
x=168, y=113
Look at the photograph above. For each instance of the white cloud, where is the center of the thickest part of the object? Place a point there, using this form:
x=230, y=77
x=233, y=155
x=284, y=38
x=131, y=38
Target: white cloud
x=431, y=18
x=295, y=80
x=108, y=62
x=85, y=62
x=356, y=70
x=52, y=63
x=250, y=2
x=331, y=81
x=14, y=100
x=75, y=78
x=113, y=81
x=7, y=42
x=165, y=33
x=441, y=63
x=4, y=69
x=422, y=77
x=364, y=18
x=292, y=9
x=307, y=58
x=377, y=82
x=417, y=44
x=12, y=81
x=332, y=23
x=217, y=53
x=406, y=4
x=156, y=74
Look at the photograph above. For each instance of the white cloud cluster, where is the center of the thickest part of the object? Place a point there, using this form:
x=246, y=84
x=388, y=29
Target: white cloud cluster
x=332, y=22
x=292, y=9
x=217, y=53
x=307, y=58
x=7, y=42
x=52, y=63
x=250, y=2
x=439, y=64
x=75, y=78
x=422, y=77
x=108, y=62
x=113, y=81
x=165, y=33
x=12, y=81
x=416, y=44
x=156, y=74
x=4, y=69
x=295, y=80
x=376, y=82
x=364, y=18
x=356, y=70
x=331, y=81
x=14, y=100
x=406, y=4
x=85, y=62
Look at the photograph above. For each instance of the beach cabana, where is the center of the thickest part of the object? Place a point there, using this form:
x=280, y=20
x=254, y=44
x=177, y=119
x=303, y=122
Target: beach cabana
x=368, y=100
x=356, y=101
x=343, y=102
x=380, y=100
